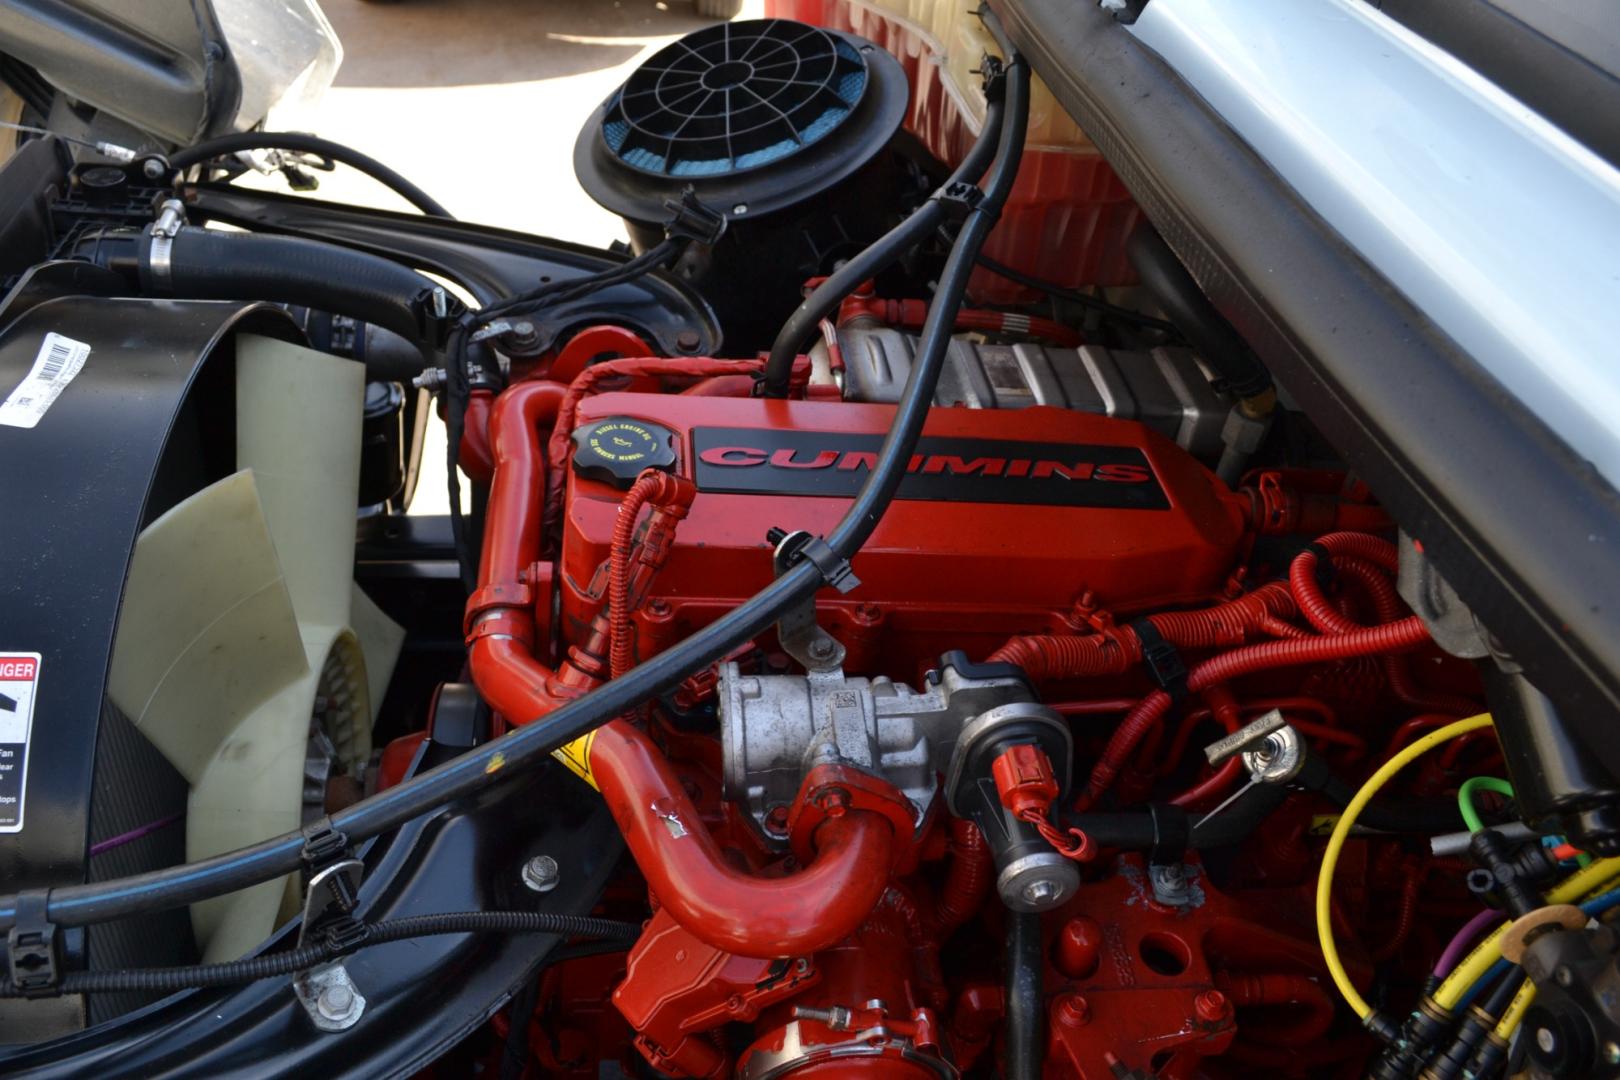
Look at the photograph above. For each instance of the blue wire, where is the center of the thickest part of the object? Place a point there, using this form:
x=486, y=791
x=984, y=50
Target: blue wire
x=1592, y=908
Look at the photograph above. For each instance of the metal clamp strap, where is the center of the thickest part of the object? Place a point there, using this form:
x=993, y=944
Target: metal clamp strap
x=160, y=255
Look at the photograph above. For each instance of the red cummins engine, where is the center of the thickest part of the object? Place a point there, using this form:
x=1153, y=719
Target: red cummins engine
x=841, y=826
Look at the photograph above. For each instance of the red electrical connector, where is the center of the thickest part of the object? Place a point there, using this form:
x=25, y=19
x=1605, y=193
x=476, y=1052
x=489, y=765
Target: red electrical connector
x=1028, y=787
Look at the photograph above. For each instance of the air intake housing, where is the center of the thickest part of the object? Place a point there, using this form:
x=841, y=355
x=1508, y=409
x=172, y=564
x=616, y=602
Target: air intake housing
x=779, y=125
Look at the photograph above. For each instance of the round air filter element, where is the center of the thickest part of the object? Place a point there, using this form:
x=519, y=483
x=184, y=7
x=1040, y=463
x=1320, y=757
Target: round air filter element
x=755, y=115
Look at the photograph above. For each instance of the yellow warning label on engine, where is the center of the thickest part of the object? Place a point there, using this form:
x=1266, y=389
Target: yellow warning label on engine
x=1322, y=824
x=577, y=756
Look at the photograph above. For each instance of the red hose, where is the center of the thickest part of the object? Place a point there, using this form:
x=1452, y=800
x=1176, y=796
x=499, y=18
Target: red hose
x=722, y=386
x=1224, y=708
x=660, y=490
x=1248, y=991
x=1405, y=915
x=967, y=878
x=474, y=453
x=1361, y=563
x=1406, y=633
x=1118, y=650
x=1014, y=323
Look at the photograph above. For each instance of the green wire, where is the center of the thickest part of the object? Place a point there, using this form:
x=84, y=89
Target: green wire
x=1465, y=798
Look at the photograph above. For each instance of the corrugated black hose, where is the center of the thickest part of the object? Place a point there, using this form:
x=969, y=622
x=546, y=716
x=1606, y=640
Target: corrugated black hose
x=253, y=968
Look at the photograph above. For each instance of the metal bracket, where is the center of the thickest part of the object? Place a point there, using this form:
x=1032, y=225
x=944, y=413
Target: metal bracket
x=31, y=947
x=1245, y=738
x=330, y=997
x=326, y=991
x=1272, y=750
x=801, y=636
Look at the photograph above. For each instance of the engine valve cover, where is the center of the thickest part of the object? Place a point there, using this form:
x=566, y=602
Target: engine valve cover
x=1004, y=523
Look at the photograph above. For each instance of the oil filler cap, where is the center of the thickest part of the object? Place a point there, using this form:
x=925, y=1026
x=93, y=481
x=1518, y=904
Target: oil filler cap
x=617, y=449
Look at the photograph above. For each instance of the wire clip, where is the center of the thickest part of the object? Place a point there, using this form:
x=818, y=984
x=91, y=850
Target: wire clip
x=31, y=947
x=992, y=70
x=959, y=198
x=801, y=546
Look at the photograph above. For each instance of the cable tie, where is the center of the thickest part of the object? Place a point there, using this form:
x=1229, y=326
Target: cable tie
x=1162, y=660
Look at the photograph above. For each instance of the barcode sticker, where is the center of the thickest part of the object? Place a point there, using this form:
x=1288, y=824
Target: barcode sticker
x=59, y=360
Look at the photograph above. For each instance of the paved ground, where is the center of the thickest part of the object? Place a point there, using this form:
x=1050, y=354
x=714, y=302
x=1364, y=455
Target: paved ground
x=479, y=103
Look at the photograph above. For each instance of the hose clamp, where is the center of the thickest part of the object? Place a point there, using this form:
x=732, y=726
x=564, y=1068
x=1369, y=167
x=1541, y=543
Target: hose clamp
x=159, y=258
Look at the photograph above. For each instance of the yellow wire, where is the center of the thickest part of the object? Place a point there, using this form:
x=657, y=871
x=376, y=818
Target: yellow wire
x=1578, y=886
x=1515, y=1010
x=1330, y=857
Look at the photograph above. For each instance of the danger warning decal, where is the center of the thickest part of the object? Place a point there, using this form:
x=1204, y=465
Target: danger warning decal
x=577, y=756
x=19, y=681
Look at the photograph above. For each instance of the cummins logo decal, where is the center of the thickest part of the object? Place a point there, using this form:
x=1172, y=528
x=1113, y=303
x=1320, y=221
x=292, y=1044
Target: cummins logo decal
x=829, y=463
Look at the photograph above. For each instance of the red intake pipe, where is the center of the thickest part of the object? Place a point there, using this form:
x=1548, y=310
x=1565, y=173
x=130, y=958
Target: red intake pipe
x=721, y=906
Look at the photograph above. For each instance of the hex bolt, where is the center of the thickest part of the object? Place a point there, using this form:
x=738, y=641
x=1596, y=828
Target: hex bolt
x=688, y=341
x=822, y=648
x=152, y=169
x=1074, y=1010
x=1212, y=1007
x=541, y=873
x=336, y=1004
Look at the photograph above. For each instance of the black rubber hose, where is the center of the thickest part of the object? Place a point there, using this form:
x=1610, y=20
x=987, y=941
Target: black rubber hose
x=80, y=905
x=801, y=326
x=309, y=144
x=253, y=968
x=1026, y=1011
x=1190, y=310
x=212, y=264
x=1135, y=831
x=906, y=425
x=1428, y=817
